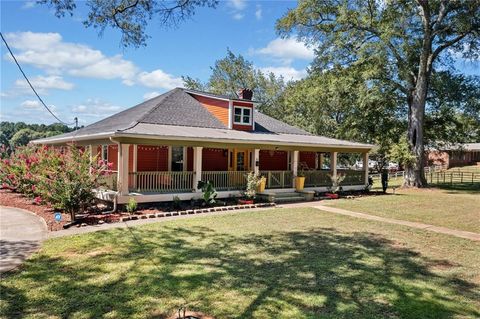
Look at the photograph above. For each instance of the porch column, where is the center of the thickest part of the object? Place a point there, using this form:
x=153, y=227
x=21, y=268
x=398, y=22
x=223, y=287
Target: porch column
x=296, y=155
x=256, y=161
x=197, y=166
x=122, y=177
x=320, y=161
x=134, y=168
x=365, y=166
x=333, y=163
x=90, y=153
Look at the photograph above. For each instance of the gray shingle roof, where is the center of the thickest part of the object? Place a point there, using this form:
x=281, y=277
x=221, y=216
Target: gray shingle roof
x=178, y=108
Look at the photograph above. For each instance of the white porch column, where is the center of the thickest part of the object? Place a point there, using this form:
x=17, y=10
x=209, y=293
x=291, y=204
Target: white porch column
x=134, y=168
x=256, y=161
x=122, y=177
x=197, y=166
x=365, y=166
x=333, y=163
x=296, y=155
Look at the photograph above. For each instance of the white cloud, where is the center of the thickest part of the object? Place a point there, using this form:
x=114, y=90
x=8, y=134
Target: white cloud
x=237, y=4
x=150, y=95
x=95, y=108
x=28, y=5
x=159, y=79
x=286, y=50
x=48, y=51
x=43, y=83
x=238, y=16
x=287, y=72
x=258, y=12
x=31, y=104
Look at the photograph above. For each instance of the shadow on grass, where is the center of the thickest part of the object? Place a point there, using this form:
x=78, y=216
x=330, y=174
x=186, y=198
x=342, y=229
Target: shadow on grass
x=151, y=271
x=473, y=188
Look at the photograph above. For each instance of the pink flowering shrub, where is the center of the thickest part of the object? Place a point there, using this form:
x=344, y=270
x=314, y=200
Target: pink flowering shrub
x=63, y=179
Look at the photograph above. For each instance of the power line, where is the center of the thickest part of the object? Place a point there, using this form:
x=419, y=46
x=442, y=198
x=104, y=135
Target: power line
x=31, y=86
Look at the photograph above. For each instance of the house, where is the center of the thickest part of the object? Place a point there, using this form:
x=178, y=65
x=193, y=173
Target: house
x=162, y=147
x=455, y=155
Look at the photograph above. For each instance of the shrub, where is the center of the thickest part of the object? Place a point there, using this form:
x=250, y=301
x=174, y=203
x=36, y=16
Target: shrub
x=253, y=181
x=336, y=181
x=63, y=178
x=209, y=192
x=132, y=205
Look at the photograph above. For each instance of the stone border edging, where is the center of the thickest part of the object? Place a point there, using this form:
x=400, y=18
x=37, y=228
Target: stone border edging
x=195, y=211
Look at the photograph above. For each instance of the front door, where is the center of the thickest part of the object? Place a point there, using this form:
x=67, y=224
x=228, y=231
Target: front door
x=239, y=159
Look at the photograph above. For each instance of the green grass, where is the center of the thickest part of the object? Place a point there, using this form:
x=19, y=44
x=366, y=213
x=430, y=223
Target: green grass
x=471, y=168
x=455, y=206
x=282, y=263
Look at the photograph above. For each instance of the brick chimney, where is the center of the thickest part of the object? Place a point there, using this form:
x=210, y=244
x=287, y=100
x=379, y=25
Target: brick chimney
x=245, y=94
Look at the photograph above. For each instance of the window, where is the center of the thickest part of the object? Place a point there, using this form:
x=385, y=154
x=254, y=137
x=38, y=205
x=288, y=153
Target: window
x=242, y=115
x=105, y=153
x=177, y=158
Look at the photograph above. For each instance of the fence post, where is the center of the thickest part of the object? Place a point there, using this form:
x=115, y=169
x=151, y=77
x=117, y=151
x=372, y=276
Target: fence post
x=451, y=178
x=461, y=177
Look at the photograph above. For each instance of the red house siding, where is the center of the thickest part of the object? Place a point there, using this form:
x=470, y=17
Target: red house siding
x=190, y=159
x=308, y=159
x=278, y=161
x=242, y=127
x=152, y=158
x=219, y=108
x=214, y=159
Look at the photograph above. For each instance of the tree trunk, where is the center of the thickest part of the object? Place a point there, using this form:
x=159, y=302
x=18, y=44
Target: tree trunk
x=414, y=171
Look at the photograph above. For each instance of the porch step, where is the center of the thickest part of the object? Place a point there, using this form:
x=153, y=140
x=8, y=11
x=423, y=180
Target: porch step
x=284, y=199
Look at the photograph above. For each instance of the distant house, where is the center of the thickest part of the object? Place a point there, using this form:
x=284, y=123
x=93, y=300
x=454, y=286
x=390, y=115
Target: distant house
x=456, y=155
x=162, y=147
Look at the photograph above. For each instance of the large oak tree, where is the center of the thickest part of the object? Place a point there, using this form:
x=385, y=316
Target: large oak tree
x=415, y=37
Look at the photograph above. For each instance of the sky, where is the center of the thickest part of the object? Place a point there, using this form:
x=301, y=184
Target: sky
x=81, y=74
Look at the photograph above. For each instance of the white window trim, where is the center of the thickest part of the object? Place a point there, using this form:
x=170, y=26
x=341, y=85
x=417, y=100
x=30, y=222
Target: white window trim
x=241, y=115
x=105, y=152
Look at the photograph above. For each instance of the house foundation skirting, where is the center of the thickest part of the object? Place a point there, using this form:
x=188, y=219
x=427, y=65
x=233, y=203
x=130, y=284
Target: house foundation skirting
x=152, y=198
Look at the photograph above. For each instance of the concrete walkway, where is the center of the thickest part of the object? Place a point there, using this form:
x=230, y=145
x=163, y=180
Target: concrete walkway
x=432, y=228
x=21, y=233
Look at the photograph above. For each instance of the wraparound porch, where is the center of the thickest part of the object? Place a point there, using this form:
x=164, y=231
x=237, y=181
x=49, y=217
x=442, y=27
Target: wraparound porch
x=164, y=185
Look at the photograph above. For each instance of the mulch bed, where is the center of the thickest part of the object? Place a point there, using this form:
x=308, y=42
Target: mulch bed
x=9, y=198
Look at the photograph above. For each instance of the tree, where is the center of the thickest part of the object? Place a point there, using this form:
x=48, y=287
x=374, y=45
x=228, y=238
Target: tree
x=131, y=17
x=343, y=103
x=24, y=136
x=234, y=72
x=413, y=36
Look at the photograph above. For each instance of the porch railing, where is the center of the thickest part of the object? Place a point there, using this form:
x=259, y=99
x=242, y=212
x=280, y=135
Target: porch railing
x=161, y=182
x=109, y=180
x=278, y=179
x=226, y=180
x=352, y=177
x=317, y=178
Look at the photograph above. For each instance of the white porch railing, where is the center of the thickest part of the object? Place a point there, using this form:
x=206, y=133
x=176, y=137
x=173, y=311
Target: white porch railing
x=226, y=180
x=317, y=178
x=162, y=182
x=352, y=177
x=278, y=179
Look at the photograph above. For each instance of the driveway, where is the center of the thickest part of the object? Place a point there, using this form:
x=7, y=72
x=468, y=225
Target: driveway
x=21, y=233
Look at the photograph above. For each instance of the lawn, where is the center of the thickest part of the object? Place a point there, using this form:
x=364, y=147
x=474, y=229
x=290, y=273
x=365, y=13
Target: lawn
x=452, y=207
x=281, y=263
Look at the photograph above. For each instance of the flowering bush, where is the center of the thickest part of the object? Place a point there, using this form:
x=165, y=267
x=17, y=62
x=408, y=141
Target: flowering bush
x=63, y=178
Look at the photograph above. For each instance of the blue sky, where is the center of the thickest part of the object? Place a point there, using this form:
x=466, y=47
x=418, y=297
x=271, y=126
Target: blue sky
x=81, y=74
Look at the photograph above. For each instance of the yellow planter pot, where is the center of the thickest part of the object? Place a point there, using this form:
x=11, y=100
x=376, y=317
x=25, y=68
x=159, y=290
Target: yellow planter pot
x=299, y=183
x=261, y=186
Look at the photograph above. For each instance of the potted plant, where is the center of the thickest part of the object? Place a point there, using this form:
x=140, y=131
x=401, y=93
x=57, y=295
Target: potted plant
x=335, y=187
x=300, y=181
x=253, y=183
x=262, y=184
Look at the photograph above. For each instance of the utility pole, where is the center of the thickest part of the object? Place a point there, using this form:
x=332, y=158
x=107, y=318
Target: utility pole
x=76, y=123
